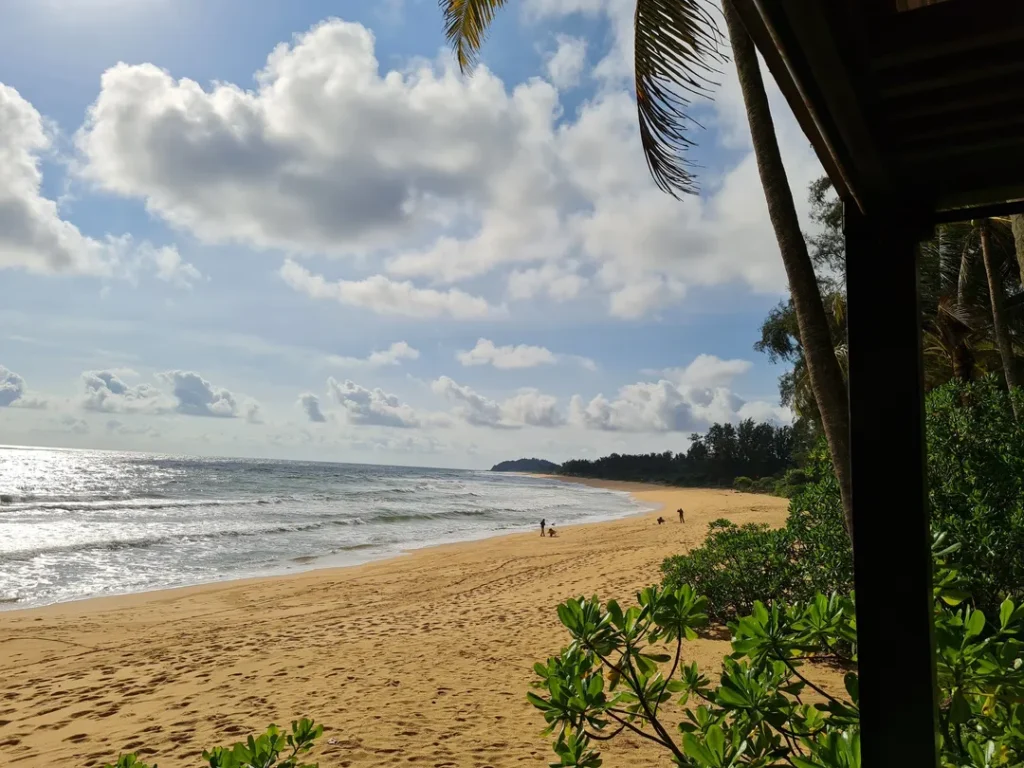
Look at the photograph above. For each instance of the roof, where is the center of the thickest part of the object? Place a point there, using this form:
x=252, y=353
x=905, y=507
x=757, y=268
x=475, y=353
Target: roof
x=916, y=103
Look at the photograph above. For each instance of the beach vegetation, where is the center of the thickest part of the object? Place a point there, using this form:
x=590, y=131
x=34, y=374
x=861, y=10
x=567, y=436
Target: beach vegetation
x=761, y=453
x=976, y=497
x=274, y=748
x=624, y=671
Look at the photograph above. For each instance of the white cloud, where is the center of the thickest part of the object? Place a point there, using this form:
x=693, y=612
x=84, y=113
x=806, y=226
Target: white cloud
x=106, y=392
x=197, y=397
x=432, y=176
x=371, y=406
x=472, y=407
x=533, y=408
x=518, y=356
x=689, y=400
x=393, y=355
x=707, y=371
x=385, y=296
x=557, y=282
x=172, y=269
x=636, y=299
x=528, y=408
x=12, y=386
x=565, y=65
x=33, y=235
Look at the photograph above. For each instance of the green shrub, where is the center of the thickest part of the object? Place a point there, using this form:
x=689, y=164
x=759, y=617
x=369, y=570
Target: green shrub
x=622, y=665
x=976, y=495
x=736, y=566
x=263, y=751
x=976, y=485
x=742, y=483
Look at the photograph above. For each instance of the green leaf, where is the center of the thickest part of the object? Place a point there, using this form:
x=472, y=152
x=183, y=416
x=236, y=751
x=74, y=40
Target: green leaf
x=1005, y=613
x=693, y=748
x=975, y=624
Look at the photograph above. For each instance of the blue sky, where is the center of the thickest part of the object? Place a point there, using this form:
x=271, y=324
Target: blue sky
x=293, y=230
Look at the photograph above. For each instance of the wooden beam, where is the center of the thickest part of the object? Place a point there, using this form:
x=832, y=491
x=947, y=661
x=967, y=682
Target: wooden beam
x=892, y=555
x=770, y=49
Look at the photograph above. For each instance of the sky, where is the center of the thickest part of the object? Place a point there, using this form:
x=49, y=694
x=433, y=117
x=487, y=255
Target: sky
x=296, y=230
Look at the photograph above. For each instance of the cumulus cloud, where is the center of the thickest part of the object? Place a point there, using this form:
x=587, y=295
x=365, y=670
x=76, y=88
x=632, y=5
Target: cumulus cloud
x=486, y=352
x=558, y=282
x=472, y=407
x=385, y=296
x=393, y=355
x=371, y=406
x=171, y=268
x=565, y=65
x=707, y=371
x=13, y=392
x=511, y=356
x=668, y=406
x=368, y=168
x=532, y=408
x=12, y=386
x=197, y=397
x=528, y=408
x=310, y=404
x=106, y=392
x=33, y=236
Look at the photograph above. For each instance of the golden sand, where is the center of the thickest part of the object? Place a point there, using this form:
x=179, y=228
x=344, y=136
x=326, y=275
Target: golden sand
x=423, y=659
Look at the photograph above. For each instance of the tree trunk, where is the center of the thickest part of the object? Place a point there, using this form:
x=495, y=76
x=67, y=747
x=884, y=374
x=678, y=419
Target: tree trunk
x=995, y=292
x=822, y=367
x=1017, y=225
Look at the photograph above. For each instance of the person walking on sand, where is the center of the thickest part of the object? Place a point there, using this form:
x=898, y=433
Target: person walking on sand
x=542, y=524
x=682, y=517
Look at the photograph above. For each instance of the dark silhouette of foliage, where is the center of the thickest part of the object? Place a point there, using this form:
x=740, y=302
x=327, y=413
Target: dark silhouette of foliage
x=715, y=458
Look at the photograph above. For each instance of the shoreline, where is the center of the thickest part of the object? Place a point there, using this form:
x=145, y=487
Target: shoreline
x=424, y=657
x=313, y=563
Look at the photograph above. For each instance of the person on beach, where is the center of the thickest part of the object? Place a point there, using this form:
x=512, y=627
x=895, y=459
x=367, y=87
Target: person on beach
x=542, y=524
x=682, y=517
x=551, y=532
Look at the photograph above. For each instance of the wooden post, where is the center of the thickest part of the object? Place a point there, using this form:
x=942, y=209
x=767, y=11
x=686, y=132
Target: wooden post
x=892, y=541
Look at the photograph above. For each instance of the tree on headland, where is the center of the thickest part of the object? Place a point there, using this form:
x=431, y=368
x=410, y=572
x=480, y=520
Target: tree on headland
x=677, y=47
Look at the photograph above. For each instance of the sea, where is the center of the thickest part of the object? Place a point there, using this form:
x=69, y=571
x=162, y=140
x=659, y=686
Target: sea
x=76, y=524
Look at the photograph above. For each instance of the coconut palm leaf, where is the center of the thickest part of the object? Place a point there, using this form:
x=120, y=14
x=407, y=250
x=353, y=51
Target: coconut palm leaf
x=677, y=49
x=465, y=26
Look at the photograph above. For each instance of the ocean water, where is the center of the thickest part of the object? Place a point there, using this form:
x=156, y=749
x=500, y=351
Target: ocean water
x=77, y=524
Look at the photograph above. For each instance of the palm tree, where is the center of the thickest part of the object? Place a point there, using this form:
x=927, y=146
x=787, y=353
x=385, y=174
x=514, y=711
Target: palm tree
x=996, y=295
x=677, y=46
x=960, y=269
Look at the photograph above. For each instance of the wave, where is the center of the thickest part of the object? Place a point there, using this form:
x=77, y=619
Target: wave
x=101, y=504
x=147, y=542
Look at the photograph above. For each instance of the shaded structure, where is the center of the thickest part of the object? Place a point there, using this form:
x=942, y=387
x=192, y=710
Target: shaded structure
x=916, y=110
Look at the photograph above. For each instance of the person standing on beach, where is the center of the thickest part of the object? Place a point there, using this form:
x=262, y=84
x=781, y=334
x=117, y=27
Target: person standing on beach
x=682, y=518
x=542, y=524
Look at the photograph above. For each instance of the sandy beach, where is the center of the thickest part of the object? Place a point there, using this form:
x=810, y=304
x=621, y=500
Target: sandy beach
x=423, y=658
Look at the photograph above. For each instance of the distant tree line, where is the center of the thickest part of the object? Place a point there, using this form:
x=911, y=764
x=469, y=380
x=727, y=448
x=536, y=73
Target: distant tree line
x=716, y=458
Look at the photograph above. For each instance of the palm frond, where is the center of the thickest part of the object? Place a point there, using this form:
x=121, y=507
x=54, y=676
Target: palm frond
x=678, y=45
x=465, y=26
